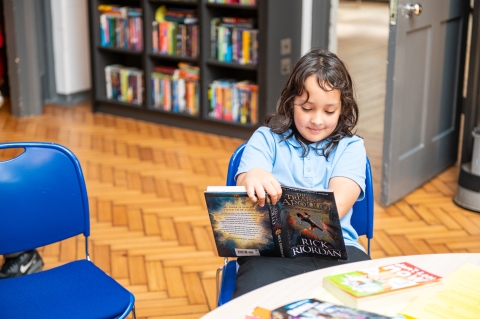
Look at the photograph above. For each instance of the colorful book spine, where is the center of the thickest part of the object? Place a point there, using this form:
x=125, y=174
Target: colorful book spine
x=176, y=89
x=121, y=27
x=235, y=101
x=234, y=39
x=124, y=84
x=177, y=31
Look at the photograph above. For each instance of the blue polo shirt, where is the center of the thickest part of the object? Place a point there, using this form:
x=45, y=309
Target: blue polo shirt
x=284, y=160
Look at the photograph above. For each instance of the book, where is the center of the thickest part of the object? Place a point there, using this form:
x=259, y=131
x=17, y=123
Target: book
x=387, y=285
x=458, y=298
x=303, y=222
x=259, y=313
x=317, y=309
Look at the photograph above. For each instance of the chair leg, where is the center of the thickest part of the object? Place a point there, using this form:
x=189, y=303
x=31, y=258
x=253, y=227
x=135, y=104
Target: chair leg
x=133, y=312
x=219, y=270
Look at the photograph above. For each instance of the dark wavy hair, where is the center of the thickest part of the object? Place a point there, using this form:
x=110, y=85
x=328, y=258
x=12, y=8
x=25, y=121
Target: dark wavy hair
x=331, y=74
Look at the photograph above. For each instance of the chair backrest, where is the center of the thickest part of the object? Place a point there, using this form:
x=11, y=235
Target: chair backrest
x=362, y=217
x=43, y=197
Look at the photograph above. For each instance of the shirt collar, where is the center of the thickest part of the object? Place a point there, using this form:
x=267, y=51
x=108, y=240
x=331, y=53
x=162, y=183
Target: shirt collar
x=295, y=143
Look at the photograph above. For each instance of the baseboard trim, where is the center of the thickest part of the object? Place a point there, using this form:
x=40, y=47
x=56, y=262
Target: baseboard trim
x=71, y=99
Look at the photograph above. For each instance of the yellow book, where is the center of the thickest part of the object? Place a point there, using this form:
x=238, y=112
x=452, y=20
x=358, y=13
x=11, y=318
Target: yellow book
x=458, y=299
x=254, y=107
x=245, y=47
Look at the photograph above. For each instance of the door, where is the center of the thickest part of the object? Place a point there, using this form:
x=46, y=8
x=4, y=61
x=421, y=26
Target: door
x=426, y=54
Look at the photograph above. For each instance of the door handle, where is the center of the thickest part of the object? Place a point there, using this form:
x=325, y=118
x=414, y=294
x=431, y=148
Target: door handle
x=411, y=9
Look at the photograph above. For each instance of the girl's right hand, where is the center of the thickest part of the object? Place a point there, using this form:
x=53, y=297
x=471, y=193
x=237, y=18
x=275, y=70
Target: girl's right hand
x=258, y=181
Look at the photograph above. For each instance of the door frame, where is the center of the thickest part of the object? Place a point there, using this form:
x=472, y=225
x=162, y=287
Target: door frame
x=471, y=107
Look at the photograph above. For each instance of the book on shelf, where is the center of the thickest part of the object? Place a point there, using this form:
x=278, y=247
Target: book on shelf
x=317, y=309
x=304, y=222
x=176, y=89
x=233, y=100
x=386, y=285
x=124, y=84
x=458, y=298
x=121, y=27
x=234, y=39
x=175, y=31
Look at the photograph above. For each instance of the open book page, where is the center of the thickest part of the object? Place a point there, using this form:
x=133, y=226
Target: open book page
x=458, y=299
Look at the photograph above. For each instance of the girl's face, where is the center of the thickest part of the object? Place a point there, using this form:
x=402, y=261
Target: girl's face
x=316, y=118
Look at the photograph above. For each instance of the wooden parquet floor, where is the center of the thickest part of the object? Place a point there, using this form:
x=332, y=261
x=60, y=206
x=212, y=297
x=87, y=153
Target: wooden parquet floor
x=149, y=225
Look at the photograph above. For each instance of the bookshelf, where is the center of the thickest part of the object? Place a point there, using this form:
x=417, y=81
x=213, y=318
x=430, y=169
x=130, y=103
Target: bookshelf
x=279, y=34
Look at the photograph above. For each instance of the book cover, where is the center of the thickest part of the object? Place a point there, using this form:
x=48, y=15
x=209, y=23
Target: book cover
x=389, y=282
x=316, y=309
x=457, y=299
x=303, y=223
x=240, y=227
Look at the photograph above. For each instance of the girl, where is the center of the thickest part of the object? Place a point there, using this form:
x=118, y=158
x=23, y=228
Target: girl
x=309, y=142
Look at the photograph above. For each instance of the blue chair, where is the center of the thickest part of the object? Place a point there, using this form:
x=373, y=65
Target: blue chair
x=43, y=200
x=362, y=222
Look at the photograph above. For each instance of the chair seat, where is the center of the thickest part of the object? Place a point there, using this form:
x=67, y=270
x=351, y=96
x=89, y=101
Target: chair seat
x=75, y=290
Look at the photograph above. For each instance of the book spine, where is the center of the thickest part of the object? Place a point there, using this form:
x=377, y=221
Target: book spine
x=140, y=87
x=155, y=36
x=130, y=86
x=103, y=33
x=123, y=85
x=194, y=41
x=245, y=47
x=228, y=45
x=220, y=43
x=254, y=107
x=115, y=82
x=111, y=31
x=214, y=38
x=254, y=40
x=219, y=100
x=211, y=99
x=172, y=28
x=276, y=225
x=152, y=93
x=139, y=29
x=184, y=40
x=174, y=88
x=170, y=93
x=108, y=81
x=179, y=39
x=181, y=90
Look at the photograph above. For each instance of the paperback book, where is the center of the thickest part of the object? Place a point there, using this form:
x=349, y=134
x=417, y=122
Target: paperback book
x=387, y=285
x=316, y=309
x=302, y=223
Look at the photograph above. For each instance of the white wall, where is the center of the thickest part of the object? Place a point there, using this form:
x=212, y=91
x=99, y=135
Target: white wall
x=71, y=46
x=307, y=26
x=332, y=34
x=307, y=7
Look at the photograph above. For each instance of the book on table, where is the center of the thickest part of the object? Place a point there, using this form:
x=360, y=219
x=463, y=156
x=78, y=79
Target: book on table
x=317, y=309
x=458, y=298
x=385, y=285
x=303, y=222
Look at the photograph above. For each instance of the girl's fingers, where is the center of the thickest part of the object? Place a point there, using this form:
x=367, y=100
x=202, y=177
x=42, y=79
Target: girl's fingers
x=274, y=191
x=278, y=189
x=251, y=193
x=260, y=190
